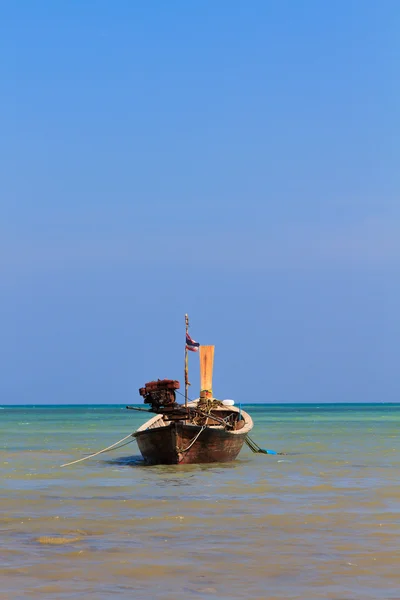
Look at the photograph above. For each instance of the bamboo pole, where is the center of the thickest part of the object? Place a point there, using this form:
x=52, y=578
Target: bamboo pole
x=186, y=362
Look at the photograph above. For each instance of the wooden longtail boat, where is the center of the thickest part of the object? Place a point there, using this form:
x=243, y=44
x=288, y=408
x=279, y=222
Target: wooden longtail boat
x=165, y=441
x=205, y=430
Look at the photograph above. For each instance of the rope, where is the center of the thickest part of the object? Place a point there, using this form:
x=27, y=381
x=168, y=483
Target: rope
x=112, y=447
x=251, y=444
x=193, y=441
x=122, y=445
x=256, y=449
x=180, y=393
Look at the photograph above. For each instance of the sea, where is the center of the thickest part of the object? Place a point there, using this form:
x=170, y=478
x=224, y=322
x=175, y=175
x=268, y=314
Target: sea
x=318, y=520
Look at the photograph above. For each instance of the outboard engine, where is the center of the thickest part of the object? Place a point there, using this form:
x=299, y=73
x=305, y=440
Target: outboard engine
x=160, y=394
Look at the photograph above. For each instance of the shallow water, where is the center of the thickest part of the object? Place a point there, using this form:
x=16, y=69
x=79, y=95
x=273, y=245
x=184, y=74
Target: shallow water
x=321, y=522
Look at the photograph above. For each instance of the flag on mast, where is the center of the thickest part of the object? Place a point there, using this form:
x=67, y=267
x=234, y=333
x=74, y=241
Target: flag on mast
x=191, y=344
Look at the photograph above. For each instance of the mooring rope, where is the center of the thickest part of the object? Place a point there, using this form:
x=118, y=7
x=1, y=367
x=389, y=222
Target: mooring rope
x=112, y=447
x=256, y=448
x=193, y=440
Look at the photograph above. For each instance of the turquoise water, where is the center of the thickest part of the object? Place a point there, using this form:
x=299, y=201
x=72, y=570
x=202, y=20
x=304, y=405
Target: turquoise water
x=321, y=521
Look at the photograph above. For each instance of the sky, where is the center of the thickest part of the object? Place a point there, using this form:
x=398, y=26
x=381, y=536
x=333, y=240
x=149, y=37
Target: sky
x=236, y=161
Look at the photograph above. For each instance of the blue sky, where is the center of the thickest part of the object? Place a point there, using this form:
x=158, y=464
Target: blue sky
x=234, y=160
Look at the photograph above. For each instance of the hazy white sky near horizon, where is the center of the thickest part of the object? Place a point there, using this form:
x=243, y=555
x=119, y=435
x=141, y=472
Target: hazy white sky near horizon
x=237, y=161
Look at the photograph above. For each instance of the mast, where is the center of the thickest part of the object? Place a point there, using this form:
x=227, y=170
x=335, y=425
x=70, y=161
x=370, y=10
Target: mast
x=186, y=362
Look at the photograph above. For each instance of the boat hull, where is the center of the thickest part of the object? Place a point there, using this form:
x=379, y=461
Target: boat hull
x=180, y=443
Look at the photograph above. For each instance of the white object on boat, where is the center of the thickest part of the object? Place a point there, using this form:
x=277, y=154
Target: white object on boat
x=228, y=402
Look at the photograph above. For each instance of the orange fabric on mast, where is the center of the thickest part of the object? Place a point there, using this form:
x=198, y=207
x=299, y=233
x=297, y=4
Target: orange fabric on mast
x=206, y=368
